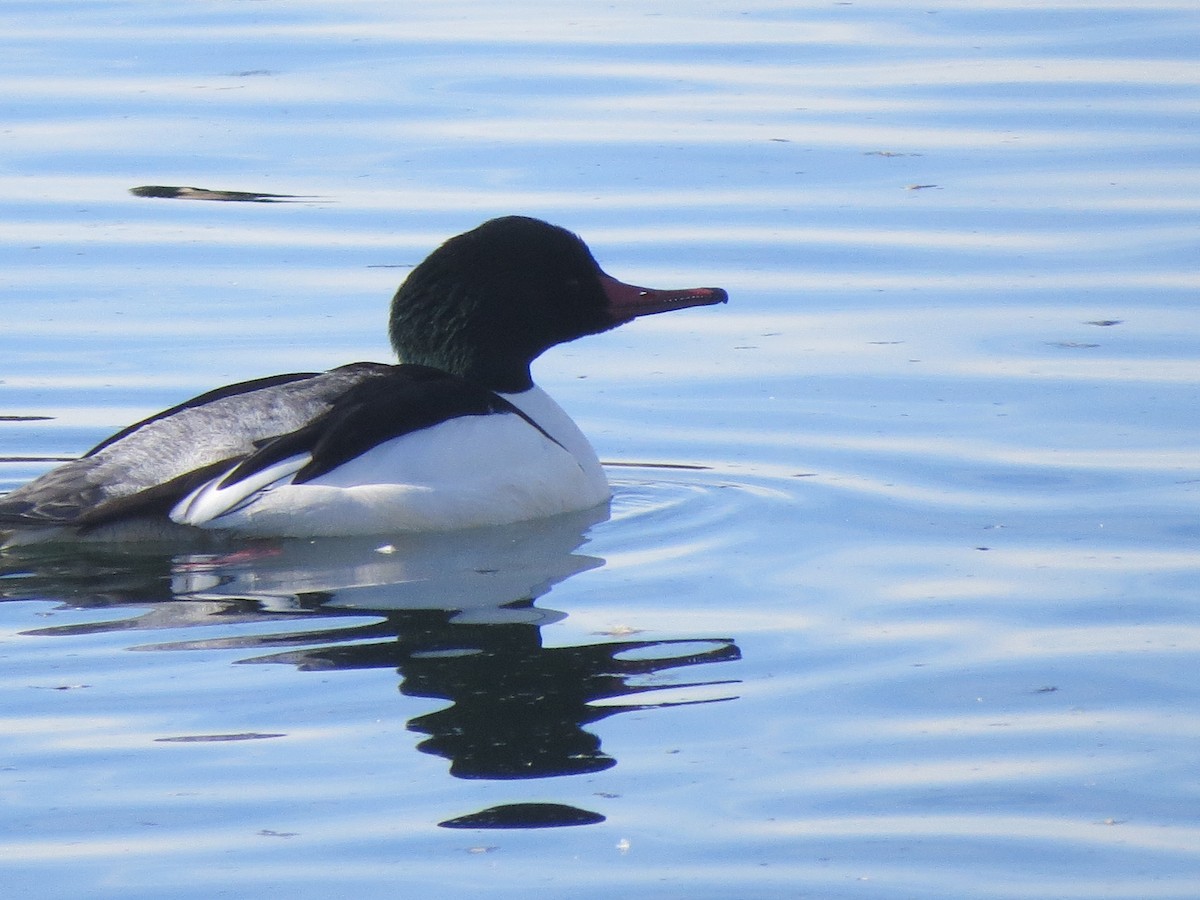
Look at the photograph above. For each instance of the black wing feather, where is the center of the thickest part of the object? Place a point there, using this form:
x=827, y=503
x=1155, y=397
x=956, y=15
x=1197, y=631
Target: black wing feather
x=410, y=398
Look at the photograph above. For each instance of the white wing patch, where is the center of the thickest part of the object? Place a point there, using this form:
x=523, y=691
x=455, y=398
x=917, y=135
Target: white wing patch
x=210, y=501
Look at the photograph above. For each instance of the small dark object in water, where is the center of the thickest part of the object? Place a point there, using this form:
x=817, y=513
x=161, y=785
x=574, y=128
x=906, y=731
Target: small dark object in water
x=172, y=192
x=210, y=738
x=525, y=815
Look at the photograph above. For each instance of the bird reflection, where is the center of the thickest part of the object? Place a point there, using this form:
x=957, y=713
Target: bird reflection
x=454, y=615
x=517, y=709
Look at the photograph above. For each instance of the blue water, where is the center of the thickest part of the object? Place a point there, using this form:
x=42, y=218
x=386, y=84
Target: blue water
x=897, y=596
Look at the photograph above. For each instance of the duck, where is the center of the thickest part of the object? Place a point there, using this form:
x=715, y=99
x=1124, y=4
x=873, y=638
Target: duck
x=454, y=435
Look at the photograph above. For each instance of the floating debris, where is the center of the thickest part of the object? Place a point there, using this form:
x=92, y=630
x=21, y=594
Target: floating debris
x=173, y=192
x=203, y=738
x=61, y=687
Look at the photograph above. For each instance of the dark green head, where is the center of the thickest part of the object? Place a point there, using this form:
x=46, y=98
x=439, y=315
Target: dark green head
x=487, y=303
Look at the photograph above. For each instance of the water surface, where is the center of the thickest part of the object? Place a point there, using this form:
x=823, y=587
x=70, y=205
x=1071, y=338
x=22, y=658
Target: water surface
x=897, y=593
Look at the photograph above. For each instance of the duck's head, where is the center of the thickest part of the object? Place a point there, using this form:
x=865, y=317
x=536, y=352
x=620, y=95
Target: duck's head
x=487, y=303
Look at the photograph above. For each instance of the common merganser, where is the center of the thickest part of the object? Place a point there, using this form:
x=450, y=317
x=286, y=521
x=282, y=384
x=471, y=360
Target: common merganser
x=457, y=435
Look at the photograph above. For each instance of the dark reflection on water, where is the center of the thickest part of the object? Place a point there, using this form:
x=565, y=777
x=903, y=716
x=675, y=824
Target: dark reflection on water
x=517, y=708
x=454, y=615
x=525, y=815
